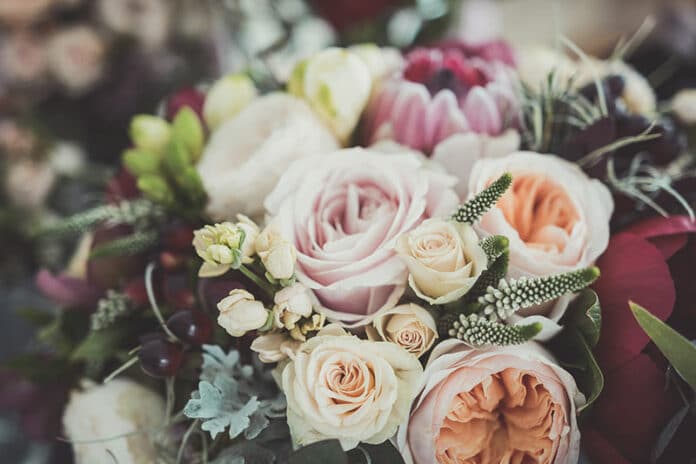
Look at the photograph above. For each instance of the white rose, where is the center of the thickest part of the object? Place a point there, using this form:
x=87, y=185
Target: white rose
x=101, y=412
x=337, y=84
x=147, y=20
x=341, y=387
x=275, y=347
x=246, y=155
x=291, y=304
x=240, y=313
x=277, y=254
x=444, y=259
x=408, y=325
x=76, y=57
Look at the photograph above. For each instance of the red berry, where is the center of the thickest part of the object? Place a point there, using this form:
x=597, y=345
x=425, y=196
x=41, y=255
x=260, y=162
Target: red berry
x=136, y=292
x=191, y=326
x=160, y=358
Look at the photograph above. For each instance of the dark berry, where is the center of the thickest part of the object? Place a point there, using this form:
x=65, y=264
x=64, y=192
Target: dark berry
x=160, y=358
x=191, y=326
x=136, y=292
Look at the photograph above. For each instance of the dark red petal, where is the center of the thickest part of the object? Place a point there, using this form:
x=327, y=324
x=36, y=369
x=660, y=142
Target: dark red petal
x=599, y=449
x=633, y=408
x=633, y=269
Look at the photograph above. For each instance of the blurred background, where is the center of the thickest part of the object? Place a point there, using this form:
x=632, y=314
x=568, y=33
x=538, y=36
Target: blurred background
x=73, y=73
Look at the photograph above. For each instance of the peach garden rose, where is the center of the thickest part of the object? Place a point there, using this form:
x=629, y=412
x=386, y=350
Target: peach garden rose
x=555, y=216
x=344, y=212
x=494, y=405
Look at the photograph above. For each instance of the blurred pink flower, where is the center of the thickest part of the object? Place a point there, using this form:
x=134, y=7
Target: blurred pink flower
x=445, y=90
x=22, y=58
x=16, y=12
x=76, y=57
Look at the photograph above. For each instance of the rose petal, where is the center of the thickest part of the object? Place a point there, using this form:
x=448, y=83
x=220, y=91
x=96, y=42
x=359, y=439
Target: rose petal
x=632, y=269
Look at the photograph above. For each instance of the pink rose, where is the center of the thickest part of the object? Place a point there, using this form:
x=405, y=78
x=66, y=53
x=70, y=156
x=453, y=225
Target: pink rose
x=501, y=404
x=344, y=212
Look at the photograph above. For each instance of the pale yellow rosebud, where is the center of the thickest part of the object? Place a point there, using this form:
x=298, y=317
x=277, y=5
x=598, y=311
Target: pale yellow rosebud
x=275, y=347
x=227, y=97
x=150, y=133
x=251, y=232
x=337, y=85
x=240, y=313
x=277, y=254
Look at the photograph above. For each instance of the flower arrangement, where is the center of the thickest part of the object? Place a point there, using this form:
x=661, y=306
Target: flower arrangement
x=433, y=295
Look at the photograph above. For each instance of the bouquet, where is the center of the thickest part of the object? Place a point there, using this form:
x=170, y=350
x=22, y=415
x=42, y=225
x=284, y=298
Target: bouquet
x=388, y=258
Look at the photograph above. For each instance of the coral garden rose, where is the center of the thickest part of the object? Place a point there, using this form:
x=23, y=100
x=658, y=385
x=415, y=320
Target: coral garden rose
x=344, y=212
x=494, y=405
x=409, y=326
x=555, y=216
x=115, y=409
x=341, y=387
x=248, y=153
x=443, y=91
x=444, y=259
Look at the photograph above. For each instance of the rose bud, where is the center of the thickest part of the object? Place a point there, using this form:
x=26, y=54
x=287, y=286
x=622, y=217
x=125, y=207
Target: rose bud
x=226, y=98
x=240, y=313
x=150, y=133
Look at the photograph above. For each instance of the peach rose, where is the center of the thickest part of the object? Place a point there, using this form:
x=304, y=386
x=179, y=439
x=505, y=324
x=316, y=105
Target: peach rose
x=501, y=404
x=555, y=216
x=341, y=387
x=408, y=325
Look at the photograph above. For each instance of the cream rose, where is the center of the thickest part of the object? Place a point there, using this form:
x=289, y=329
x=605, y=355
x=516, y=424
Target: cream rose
x=444, y=259
x=340, y=387
x=240, y=313
x=247, y=154
x=100, y=412
x=493, y=405
x=408, y=325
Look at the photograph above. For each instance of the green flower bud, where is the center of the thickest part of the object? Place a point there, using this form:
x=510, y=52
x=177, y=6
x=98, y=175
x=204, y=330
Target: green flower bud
x=150, y=133
x=156, y=188
x=227, y=97
x=296, y=81
x=140, y=163
x=188, y=130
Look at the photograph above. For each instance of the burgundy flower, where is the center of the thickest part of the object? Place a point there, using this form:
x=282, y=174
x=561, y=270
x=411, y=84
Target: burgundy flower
x=642, y=264
x=445, y=90
x=345, y=13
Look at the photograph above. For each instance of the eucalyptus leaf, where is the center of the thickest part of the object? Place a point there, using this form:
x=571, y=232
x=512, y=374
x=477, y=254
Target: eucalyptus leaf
x=680, y=352
x=321, y=452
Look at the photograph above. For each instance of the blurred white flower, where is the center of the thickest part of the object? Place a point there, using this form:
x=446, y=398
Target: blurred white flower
x=684, y=106
x=246, y=155
x=28, y=183
x=100, y=412
x=147, y=20
x=67, y=158
x=226, y=98
x=76, y=57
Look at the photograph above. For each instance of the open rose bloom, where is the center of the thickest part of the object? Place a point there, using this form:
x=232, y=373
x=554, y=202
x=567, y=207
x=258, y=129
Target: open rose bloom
x=493, y=406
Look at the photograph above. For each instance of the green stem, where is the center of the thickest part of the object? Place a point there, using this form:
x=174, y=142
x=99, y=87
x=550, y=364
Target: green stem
x=262, y=284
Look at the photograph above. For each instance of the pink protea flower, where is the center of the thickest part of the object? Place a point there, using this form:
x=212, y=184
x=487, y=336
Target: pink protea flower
x=445, y=90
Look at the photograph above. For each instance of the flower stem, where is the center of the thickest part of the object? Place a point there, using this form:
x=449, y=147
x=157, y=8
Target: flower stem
x=262, y=284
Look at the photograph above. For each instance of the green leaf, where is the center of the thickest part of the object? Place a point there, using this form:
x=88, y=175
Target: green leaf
x=576, y=356
x=585, y=314
x=367, y=454
x=157, y=189
x=36, y=317
x=680, y=352
x=130, y=245
x=321, y=452
x=101, y=345
x=39, y=368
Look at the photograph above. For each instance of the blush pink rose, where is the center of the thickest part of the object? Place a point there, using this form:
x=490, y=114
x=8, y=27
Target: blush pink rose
x=344, y=212
x=501, y=404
